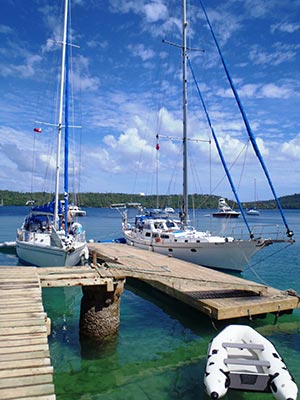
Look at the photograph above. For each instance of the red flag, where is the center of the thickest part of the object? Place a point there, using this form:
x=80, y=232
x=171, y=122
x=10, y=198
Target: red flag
x=157, y=146
x=38, y=130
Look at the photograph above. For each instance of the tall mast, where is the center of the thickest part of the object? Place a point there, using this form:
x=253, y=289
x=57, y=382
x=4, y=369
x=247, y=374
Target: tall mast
x=66, y=167
x=184, y=82
x=60, y=113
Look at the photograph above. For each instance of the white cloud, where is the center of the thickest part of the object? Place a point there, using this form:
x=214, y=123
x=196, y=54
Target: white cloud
x=292, y=148
x=288, y=27
x=155, y=11
x=279, y=56
x=271, y=90
x=268, y=90
x=139, y=50
x=5, y=29
x=258, y=8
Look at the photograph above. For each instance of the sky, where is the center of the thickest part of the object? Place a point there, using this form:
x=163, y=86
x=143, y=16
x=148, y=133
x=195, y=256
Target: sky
x=127, y=88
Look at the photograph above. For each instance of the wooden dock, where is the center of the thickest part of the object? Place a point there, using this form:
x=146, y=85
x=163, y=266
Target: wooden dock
x=25, y=368
x=219, y=295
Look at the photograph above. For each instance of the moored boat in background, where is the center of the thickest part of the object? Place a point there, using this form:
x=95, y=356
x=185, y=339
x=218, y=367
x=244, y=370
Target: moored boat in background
x=224, y=211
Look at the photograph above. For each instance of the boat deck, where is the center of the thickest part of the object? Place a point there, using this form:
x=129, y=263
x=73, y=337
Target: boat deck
x=219, y=295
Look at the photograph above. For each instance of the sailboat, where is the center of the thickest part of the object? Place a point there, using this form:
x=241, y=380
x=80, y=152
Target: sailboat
x=47, y=236
x=253, y=210
x=160, y=232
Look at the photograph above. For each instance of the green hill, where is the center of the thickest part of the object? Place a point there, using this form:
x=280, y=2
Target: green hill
x=11, y=198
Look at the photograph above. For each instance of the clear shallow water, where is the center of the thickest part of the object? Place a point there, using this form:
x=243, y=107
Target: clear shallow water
x=160, y=349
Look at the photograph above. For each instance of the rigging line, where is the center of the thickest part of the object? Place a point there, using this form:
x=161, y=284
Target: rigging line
x=247, y=125
x=251, y=266
x=244, y=163
x=271, y=255
x=33, y=164
x=220, y=152
x=233, y=163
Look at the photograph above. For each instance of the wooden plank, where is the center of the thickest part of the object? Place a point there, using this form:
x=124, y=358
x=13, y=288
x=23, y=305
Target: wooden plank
x=19, y=280
x=25, y=355
x=28, y=363
x=25, y=371
x=68, y=269
x=24, y=322
x=30, y=305
x=16, y=314
x=44, y=397
x=69, y=276
x=22, y=329
x=19, y=292
x=23, y=336
x=17, y=306
x=72, y=282
x=26, y=391
x=15, y=382
x=19, y=342
x=17, y=272
x=24, y=348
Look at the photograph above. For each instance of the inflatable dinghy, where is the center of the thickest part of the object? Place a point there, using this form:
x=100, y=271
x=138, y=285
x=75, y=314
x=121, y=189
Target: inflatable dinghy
x=240, y=358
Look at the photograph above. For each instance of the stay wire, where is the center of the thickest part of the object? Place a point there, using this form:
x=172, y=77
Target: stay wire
x=252, y=266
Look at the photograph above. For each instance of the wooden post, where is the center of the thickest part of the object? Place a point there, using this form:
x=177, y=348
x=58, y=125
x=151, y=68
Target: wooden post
x=100, y=310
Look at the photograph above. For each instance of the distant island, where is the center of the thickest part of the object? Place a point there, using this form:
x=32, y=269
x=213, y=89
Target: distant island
x=200, y=201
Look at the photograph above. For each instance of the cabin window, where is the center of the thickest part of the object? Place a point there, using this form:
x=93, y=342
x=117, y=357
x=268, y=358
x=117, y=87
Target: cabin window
x=164, y=236
x=193, y=250
x=186, y=241
x=170, y=250
x=170, y=224
x=148, y=234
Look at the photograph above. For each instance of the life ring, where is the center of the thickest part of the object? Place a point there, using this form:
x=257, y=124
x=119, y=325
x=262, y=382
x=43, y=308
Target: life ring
x=158, y=240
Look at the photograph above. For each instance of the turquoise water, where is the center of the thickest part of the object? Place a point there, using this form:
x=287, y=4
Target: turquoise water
x=160, y=349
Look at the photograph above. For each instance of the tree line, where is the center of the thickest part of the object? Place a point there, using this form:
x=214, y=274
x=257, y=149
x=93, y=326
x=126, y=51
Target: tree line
x=200, y=201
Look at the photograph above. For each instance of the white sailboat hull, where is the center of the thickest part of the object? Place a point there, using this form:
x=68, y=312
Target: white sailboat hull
x=39, y=249
x=224, y=255
x=45, y=256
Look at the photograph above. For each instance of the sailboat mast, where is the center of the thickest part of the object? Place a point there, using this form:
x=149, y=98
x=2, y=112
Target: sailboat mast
x=60, y=112
x=184, y=83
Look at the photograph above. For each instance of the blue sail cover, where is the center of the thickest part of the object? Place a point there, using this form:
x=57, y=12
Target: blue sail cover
x=47, y=208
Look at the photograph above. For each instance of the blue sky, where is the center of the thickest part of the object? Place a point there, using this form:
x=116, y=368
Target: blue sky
x=127, y=88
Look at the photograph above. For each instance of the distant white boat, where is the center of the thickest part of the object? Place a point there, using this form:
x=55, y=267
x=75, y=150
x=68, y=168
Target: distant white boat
x=224, y=211
x=252, y=211
x=242, y=359
x=76, y=211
